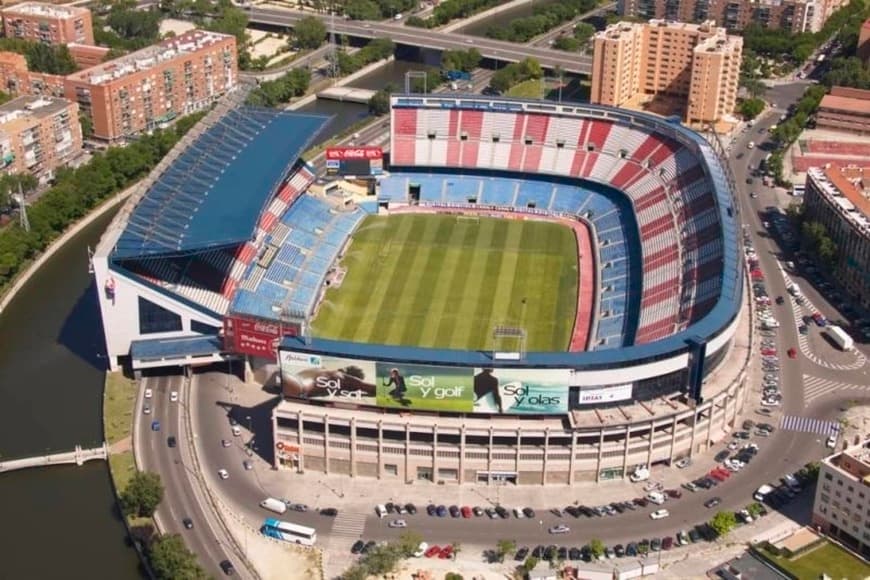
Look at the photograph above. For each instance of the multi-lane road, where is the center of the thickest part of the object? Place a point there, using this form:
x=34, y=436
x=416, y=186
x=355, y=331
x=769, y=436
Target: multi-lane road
x=215, y=401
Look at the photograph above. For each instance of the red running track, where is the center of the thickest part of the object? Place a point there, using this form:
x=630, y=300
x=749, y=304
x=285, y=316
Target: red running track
x=585, y=261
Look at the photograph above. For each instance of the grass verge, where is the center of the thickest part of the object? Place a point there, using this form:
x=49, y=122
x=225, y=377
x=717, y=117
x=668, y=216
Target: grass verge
x=828, y=559
x=119, y=401
x=530, y=89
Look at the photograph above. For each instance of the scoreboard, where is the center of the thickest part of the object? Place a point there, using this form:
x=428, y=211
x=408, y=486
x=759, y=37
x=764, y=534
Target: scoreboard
x=359, y=161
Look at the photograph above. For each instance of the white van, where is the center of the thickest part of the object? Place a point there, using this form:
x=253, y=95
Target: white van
x=640, y=474
x=273, y=505
x=656, y=497
x=381, y=510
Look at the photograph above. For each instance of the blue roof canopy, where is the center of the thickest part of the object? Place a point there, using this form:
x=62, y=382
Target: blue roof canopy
x=163, y=348
x=213, y=194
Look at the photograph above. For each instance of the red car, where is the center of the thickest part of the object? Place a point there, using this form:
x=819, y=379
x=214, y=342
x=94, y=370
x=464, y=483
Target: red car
x=446, y=552
x=792, y=353
x=433, y=552
x=467, y=512
x=768, y=351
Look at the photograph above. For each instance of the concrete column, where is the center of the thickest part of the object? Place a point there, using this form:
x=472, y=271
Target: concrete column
x=326, y=444
x=408, y=477
x=674, y=424
x=353, y=446
x=625, y=451
x=709, y=426
x=300, y=435
x=517, y=451
x=546, y=456
x=600, y=454
x=380, y=449
x=435, y=453
x=652, y=433
x=489, y=459
x=462, y=454
x=694, y=431
x=248, y=374
x=275, y=462
x=572, y=459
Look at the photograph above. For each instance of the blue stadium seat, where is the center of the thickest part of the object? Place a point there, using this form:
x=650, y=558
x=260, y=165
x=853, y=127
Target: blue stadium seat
x=534, y=192
x=498, y=192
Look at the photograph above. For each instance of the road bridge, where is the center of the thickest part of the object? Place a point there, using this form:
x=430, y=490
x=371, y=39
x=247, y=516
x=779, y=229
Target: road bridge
x=77, y=456
x=498, y=50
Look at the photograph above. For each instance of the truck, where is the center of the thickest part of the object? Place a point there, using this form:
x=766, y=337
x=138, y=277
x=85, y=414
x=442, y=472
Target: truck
x=762, y=492
x=840, y=337
x=273, y=505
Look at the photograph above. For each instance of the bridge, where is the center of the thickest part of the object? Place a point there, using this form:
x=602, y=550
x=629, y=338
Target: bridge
x=77, y=456
x=497, y=50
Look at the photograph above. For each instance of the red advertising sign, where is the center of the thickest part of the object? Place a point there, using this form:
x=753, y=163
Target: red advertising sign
x=343, y=153
x=256, y=337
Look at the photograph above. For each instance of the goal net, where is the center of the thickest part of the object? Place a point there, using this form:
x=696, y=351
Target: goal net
x=508, y=342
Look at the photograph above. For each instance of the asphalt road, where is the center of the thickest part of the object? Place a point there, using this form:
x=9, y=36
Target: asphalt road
x=421, y=37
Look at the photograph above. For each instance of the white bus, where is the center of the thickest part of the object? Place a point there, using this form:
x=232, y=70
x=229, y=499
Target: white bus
x=287, y=532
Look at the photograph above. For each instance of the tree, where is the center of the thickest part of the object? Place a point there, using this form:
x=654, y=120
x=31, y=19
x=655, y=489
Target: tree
x=170, y=559
x=568, y=43
x=143, y=494
x=754, y=509
x=457, y=547
x=583, y=32
x=504, y=548
x=310, y=32
x=462, y=60
x=723, y=522
x=753, y=86
x=751, y=108
x=362, y=10
x=596, y=548
x=452, y=576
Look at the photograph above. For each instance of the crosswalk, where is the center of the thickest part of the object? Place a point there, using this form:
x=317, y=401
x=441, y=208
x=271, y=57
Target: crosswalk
x=816, y=387
x=349, y=525
x=807, y=425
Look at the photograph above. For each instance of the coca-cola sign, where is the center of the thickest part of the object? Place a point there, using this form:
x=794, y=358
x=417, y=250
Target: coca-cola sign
x=342, y=153
x=256, y=337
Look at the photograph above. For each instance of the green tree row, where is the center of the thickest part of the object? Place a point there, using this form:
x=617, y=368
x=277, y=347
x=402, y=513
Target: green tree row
x=515, y=73
x=463, y=60
x=377, y=49
x=543, y=18
x=77, y=191
x=120, y=26
x=44, y=58
x=376, y=9
x=451, y=10
x=273, y=93
x=383, y=558
x=577, y=41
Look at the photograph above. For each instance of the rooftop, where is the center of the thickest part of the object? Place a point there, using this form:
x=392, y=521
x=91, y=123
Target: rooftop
x=854, y=461
x=847, y=100
x=148, y=57
x=848, y=189
x=47, y=10
x=23, y=111
x=213, y=193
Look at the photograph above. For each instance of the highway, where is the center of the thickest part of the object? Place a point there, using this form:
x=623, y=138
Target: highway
x=433, y=39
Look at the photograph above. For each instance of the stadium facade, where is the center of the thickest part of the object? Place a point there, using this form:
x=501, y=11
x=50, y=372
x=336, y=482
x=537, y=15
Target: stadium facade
x=195, y=270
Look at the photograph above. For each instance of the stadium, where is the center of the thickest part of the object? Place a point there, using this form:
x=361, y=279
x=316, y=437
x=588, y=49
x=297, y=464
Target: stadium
x=530, y=292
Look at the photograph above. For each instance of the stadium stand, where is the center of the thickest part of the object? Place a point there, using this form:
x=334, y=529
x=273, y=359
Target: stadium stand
x=675, y=208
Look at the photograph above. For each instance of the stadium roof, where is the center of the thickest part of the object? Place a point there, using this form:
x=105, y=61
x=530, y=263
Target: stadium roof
x=163, y=348
x=213, y=193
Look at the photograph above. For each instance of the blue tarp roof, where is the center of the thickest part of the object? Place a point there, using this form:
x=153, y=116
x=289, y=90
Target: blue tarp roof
x=163, y=348
x=213, y=194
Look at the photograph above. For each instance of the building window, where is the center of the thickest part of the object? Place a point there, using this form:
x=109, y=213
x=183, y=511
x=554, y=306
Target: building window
x=203, y=328
x=391, y=469
x=154, y=318
x=828, y=477
x=825, y=498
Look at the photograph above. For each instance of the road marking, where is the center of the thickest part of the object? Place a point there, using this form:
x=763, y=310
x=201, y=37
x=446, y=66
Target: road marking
x=348, y=525
x=807, y=425
x=817, y=387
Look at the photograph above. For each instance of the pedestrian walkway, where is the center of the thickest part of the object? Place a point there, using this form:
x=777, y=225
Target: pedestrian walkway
x=347, y=529
x=817, y=387
x=349, y=525
x=807, y=425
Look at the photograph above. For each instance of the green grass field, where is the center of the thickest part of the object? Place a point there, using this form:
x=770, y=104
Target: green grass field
x=446, y=281
x=827, y=558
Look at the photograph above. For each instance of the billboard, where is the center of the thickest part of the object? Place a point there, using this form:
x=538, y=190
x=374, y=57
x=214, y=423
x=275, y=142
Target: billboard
x=425, y=387
x=609, y=394
x=521, y=391
x=314, y=376
x=255, y=337
x=354, y=160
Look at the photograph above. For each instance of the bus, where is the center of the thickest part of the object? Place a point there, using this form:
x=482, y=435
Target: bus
x=293, y=533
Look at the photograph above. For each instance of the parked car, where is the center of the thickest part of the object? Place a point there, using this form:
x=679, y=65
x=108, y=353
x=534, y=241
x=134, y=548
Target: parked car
x=357, y=547
x=683, y=463
x=659, y=514
x=559, y=529
x=712, y=502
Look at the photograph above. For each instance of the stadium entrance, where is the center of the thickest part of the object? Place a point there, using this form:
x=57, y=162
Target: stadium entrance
x=490, y=477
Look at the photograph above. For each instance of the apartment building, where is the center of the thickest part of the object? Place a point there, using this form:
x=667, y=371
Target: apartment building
x=141, y=90
x=38, y=134
x=842, y=505
x=839, y=199
x=17, y=79
x=845, y=109
x=734, y=15
x=48, y=23
x=696, y=64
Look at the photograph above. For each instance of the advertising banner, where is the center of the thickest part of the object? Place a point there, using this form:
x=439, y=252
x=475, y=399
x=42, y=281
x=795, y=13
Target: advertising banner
x=255, y=337
x=609, y=394
x=313, y=376
x=521, y=391
x=354, y=160
x=425, y=387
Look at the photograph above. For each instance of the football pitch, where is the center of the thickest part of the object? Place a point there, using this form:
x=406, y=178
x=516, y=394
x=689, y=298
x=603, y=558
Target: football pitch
x=447, y=281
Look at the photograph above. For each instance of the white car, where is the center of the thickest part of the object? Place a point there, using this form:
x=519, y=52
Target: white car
x=659, y=514
x=236, y=430
x=148, y=393
x=421, y=549
x=560, y=529
x=223, y=474
x=772, y=403
x=831, y=442
x=683, y=463
x=398, y=524
x=173, y=396
x=518, y=513
x=733, y=445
